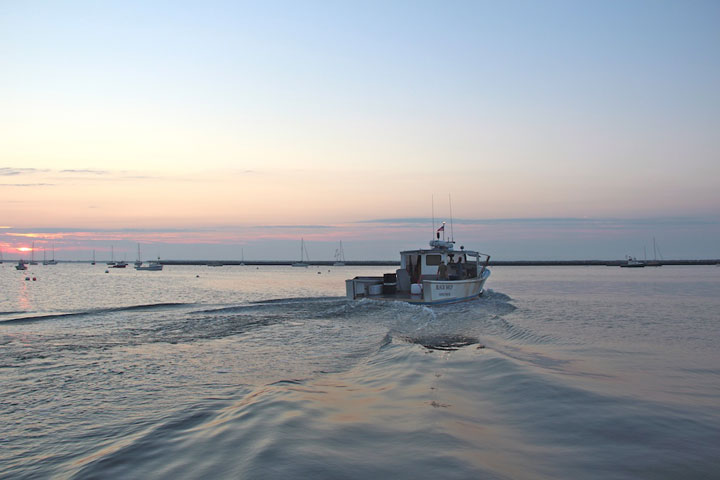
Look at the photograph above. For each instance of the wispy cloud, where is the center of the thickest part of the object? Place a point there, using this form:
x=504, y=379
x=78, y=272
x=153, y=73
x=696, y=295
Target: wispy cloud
x=294, y=226
x=94, y=172
x=12, y=171
x=648, y=221
x=27, y=184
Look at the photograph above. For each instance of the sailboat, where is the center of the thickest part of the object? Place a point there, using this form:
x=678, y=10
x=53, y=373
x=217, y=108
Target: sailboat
x=654, y=262
x=339, y=256
x=304, y=257
x=113, y=263
x=1, y=259
x=242, y=256
x=138, y=262
x=32, y=255
x=93, y=260
x=51, y=261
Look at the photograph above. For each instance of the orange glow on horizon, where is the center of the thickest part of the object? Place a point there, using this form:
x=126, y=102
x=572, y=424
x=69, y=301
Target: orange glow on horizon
x=24, y=249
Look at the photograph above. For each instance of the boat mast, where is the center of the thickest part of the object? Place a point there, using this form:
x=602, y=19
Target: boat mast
x=432, y=200
x=654, y=250
x=452, y=232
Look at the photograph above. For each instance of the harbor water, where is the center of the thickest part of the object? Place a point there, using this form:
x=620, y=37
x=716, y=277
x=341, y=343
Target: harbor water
x=269, y=372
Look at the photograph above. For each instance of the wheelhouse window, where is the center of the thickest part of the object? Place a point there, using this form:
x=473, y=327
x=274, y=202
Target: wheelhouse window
x=433, y=259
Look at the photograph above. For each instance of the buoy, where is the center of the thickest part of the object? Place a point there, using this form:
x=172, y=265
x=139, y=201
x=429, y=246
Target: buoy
x=319, y=273
x=197, y=276
x=27, y=279
x=107, y=271
x=34, y=279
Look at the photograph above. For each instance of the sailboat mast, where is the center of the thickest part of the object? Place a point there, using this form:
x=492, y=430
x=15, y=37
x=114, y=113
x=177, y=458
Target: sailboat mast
x=654, y=250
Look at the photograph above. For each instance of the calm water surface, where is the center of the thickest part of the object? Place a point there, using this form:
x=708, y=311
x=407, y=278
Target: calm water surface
x=238, y=372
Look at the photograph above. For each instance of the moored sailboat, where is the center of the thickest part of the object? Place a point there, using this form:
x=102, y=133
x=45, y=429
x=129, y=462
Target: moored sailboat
x=304, y=257
x=339, y=256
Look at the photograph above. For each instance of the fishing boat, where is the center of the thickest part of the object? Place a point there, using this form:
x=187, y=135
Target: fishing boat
x=304, y=257
x=154, y=266
x=632, y=262
x=21, y=265
x=438, y=275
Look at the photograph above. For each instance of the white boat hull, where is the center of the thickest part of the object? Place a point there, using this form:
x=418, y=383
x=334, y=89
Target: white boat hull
x=434, y=292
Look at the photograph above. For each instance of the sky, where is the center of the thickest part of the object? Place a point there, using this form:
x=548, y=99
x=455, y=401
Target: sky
x=221, y=129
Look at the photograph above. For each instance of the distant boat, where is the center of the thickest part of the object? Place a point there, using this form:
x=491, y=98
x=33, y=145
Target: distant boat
x=93, y=260
x=215, y=263
x=304, y=257
x=632, y=262
x=32, y=255
x=52, y=260
x=112, y=256
x=138, y=262
x=339, y=256
x=1, y=258
x=154, y=266
x=242, y=256
x=654, y=262
x=21, y=265
x=120, y=264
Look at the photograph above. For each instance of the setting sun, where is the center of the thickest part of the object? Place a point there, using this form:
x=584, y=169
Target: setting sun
x=24, y=249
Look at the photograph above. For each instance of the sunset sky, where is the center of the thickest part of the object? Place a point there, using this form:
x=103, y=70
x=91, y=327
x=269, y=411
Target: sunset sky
x=561, y=129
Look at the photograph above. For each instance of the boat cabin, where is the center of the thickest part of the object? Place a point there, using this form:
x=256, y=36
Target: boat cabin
x=441, y=262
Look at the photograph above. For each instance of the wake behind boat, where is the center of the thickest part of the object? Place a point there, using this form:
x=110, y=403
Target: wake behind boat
x=438, y=275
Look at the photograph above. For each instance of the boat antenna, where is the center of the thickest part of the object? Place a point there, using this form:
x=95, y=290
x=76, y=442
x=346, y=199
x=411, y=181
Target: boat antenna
x=432, y=200
x=452, y=232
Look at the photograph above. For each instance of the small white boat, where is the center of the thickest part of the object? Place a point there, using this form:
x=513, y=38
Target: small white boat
x=153, y=266
x=632, y=262
x=429, y=277
x=303, y=256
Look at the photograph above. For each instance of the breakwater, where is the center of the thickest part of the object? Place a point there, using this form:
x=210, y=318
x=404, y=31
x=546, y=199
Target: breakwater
x=379, y=263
